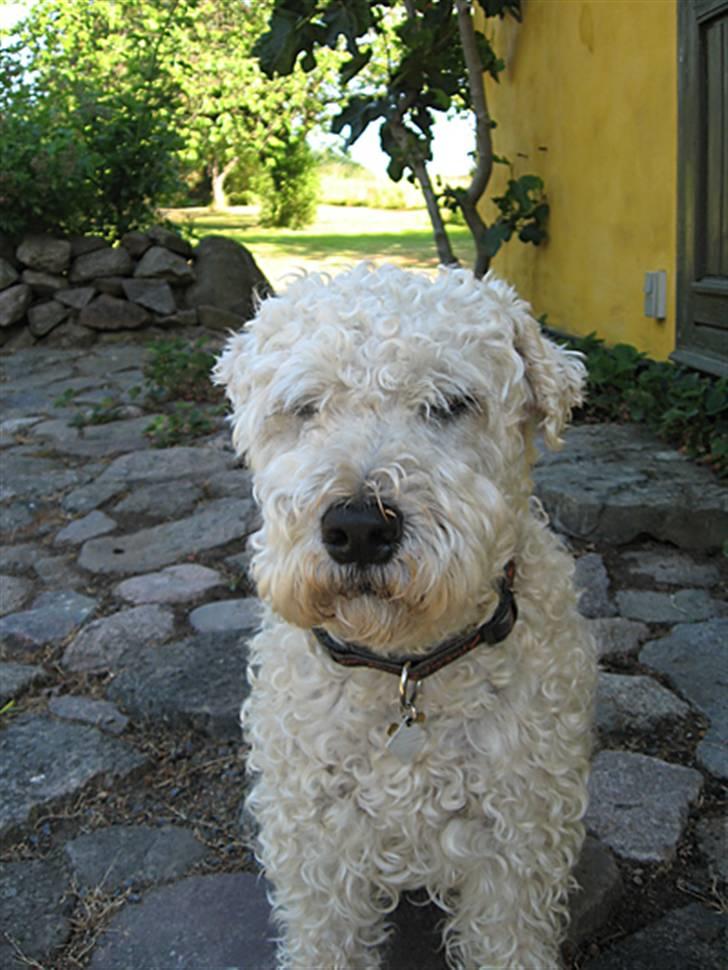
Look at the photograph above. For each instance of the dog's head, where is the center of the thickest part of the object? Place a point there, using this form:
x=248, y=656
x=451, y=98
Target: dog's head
x=386, y=417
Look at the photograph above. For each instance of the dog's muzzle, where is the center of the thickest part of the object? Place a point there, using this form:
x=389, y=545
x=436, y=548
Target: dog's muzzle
x=361, y=533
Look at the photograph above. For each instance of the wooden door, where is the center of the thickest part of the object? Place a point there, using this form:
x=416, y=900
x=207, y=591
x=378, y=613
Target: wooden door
x=702, y=284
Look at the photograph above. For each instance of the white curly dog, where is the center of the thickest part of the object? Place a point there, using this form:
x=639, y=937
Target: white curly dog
x=421, y=690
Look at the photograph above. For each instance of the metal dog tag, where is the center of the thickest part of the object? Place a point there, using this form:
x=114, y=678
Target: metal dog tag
x=407, y=738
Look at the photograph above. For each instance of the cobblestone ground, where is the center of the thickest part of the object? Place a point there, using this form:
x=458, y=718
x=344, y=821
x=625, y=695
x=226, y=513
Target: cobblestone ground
x=125, y=610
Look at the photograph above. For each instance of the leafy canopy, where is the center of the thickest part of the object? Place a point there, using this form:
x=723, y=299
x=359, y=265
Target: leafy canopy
x=436, y=53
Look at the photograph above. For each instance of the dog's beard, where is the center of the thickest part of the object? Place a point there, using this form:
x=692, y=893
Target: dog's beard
x=408, y=604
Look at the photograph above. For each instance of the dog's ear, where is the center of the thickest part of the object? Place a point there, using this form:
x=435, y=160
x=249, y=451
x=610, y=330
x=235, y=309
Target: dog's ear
x=555, y=377
x=233, y=372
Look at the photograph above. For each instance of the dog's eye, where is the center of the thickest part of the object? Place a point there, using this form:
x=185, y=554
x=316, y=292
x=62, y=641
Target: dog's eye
x=304, y=410
x=451, y=409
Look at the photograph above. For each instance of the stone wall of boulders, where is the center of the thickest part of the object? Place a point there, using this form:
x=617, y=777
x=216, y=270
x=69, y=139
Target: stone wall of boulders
x=70, y=291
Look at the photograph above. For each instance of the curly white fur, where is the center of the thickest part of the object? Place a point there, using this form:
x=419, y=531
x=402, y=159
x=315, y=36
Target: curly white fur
x=338, y=388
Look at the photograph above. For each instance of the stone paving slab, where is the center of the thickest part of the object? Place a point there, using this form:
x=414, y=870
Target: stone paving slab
x=197, y=682
x=15, y=678
x=43, y=761
x=224, y=616
x=635, y=703
x=50, y=619
x=124, y=856
x=14, y=592
x=695, y=659
x=617, y=482
x=175, y=584
x=683, y=606
x=102, y=644
x=616, y=636
x=600, y=889
x=691, y=938
x=88, y=527
x=199, y=923
x=34, y=911
x=638, y=804
x=94, y=440
x=713, y=841
x=667, y=565
x=592, y=582
x=88, y=710
x=163, y=545
x=28, y=475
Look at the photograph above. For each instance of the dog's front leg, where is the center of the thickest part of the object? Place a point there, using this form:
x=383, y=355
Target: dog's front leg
x=316, y=859
x=511, y=908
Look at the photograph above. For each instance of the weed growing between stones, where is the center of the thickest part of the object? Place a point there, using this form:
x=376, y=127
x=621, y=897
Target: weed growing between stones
x=184, y=421
x=179, y=370
x=107, y=410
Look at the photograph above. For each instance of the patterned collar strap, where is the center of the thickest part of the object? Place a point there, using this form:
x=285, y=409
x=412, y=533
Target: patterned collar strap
x=497, y=628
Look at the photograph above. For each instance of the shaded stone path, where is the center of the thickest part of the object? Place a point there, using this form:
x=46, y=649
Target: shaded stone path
x=125, y=610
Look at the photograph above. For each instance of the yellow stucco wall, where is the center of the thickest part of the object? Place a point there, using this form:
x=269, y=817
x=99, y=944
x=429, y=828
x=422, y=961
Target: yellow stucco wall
x=588, y=101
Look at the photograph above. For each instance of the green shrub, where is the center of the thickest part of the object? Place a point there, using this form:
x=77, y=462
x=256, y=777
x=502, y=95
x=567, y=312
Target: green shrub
x=81, y=153
x=682, y=406
x=288, y=190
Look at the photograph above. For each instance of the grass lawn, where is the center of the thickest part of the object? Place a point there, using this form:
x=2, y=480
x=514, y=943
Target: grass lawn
x=340, y=236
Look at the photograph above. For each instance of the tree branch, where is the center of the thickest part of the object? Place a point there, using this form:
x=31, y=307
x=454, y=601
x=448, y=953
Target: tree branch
x=483, y=139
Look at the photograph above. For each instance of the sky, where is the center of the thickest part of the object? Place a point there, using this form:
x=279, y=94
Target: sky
x=10, y=13
x=453, y=140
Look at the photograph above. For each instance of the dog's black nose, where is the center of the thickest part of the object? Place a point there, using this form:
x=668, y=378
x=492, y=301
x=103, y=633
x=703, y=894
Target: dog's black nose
x=361, y=533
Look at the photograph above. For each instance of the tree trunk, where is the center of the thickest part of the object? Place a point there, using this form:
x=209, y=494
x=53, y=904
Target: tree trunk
x=219, y=196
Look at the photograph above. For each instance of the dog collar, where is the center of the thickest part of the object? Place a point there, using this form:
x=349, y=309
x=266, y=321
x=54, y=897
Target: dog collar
x=496, y=629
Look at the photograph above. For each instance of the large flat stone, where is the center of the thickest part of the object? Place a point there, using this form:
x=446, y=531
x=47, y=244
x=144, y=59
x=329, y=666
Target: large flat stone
x=159, y=501
x=15, y=678
x=132, y=855
x=94, y=440
x=198, y=682
x=34, y=910
x=683, y=606
x=600, y=888
x=51, y=618
x=94, y=524
x=103, y=643
x=663, y=564
x=14, y=592
x=162, y=545
x=88, y=710
x=163, y=464
x=43, y=761
x=227, y=616
x=198, y=923
x=27, y=474
x=175, y=584
x=638, y=805
x=691, y=938
x=713, y=841
x=694, y=656
x=617, y=482
x=592, y=581
x=635, y=703
x=614, y=635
